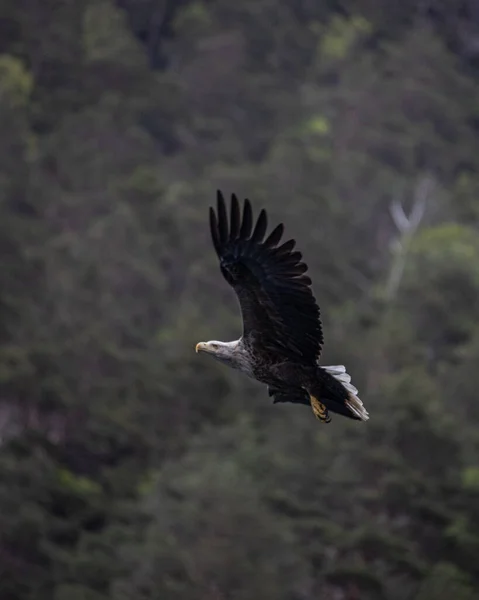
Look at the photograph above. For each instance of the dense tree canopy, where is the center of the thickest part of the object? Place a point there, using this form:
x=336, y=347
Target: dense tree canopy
x=131, y=468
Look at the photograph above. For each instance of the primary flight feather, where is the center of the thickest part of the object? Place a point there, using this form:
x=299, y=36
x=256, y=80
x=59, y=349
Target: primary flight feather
x=282, y=333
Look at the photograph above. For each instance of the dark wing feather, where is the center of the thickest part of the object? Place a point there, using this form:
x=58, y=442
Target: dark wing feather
x=296, y=395
x=280, y=313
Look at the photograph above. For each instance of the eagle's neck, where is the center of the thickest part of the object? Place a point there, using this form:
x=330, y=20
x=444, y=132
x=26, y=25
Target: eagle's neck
x=235, y=355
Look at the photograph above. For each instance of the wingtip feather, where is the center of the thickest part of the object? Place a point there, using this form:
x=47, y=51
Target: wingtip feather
x=214, y=230
x=275, y=236
x=247, y=221
x=222, y=218
x=235, y=217
x=260, y=227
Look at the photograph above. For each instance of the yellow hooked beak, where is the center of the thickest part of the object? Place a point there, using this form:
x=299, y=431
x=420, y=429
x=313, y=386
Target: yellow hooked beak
x=200, y=346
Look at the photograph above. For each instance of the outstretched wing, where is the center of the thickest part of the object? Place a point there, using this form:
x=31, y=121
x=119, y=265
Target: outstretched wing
x=279, y=311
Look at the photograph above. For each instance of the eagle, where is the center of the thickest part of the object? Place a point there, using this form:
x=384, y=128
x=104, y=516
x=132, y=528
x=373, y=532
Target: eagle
x=282, y=334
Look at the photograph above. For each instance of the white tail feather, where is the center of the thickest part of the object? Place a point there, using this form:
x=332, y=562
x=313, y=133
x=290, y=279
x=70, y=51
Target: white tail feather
x=335, y=369
x=353, y=402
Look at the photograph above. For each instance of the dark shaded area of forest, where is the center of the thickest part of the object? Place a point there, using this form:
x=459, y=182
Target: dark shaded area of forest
x=132, y=468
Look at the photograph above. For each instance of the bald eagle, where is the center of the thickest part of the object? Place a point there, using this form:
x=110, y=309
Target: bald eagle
x=282, y=332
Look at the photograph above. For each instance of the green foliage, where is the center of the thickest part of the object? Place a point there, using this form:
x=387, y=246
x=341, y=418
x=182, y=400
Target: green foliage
x=15, y=82
x=106, y=37
x=445, y=581
x=129, y=466
x=207, y=516
x=341, y=36
x=441, y=283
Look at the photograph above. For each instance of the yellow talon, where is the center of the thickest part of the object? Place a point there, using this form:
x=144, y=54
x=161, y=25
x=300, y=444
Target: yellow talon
x=319, y=409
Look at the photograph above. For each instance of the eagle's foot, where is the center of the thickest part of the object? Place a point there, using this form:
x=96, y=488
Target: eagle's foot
x=319, y=409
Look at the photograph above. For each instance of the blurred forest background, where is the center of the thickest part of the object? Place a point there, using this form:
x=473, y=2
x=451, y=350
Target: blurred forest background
x=132, y=468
